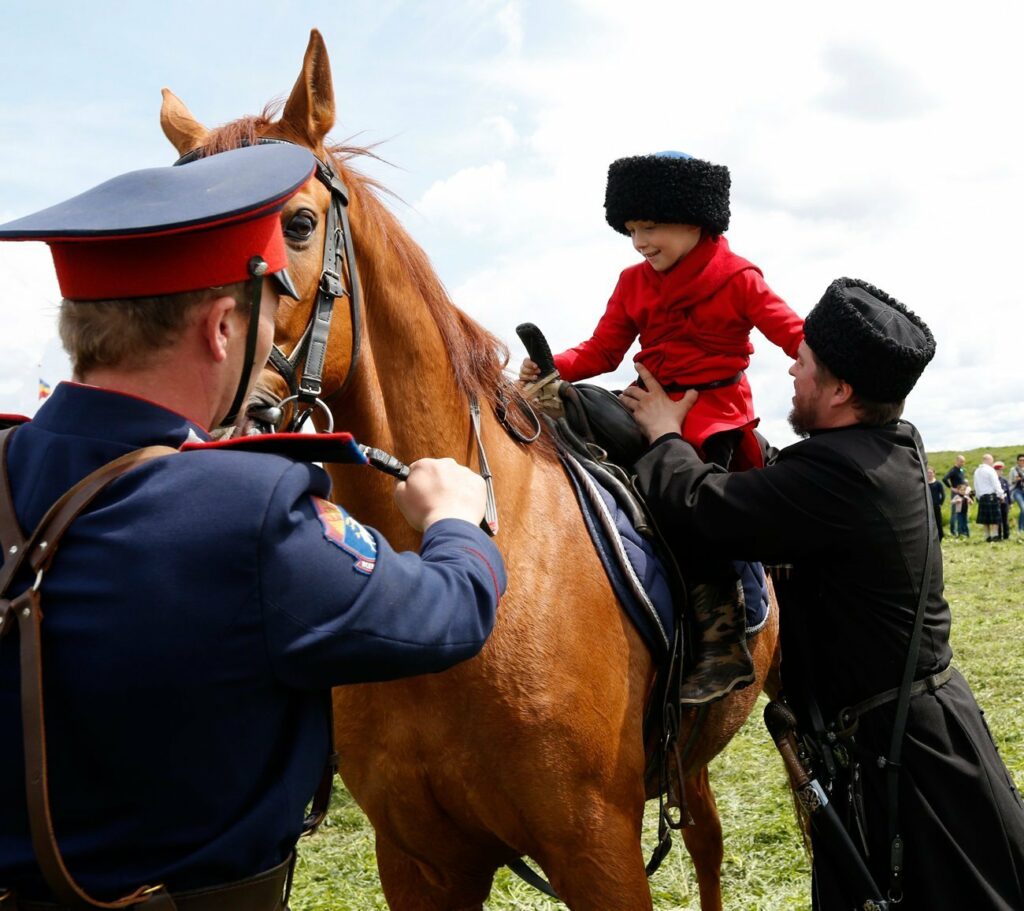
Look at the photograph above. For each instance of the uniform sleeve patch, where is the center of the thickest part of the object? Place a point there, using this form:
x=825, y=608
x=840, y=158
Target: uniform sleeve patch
x=345, y=532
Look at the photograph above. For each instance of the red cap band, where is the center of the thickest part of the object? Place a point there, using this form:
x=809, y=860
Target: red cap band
x=116, y=268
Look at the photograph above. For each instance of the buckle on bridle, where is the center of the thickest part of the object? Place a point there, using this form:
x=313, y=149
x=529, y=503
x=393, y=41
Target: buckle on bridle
x=330, y=283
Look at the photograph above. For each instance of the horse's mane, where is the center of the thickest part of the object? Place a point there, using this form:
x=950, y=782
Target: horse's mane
x=478, y=358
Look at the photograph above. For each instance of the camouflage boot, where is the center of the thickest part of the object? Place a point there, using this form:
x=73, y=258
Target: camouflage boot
x=722, y=660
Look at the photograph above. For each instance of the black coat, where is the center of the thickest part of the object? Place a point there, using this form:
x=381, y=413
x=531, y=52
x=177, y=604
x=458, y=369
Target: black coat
x=847, y=507
x=954, y=477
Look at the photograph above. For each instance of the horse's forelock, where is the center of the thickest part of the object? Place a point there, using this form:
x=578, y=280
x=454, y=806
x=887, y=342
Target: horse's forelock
x=242, y=132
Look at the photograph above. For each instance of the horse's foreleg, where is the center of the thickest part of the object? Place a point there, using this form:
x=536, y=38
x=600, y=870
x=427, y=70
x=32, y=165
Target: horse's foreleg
x=410, y=886
x=704, y=839
x=600, y=866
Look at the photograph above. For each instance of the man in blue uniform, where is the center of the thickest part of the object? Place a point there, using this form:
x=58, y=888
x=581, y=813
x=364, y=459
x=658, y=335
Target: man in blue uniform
x=848, y=507
x=198, y=612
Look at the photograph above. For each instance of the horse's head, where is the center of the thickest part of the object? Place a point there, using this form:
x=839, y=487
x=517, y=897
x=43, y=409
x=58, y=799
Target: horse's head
x=307, y=117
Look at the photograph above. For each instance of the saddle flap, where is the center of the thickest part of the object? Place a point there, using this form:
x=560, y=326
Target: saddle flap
x=597, y=415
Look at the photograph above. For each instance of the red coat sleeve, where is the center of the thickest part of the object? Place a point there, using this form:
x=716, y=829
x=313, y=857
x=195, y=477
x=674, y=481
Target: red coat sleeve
x=770, y=314
x=604, y=350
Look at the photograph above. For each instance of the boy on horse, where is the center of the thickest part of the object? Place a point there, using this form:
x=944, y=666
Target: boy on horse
x=693, y=303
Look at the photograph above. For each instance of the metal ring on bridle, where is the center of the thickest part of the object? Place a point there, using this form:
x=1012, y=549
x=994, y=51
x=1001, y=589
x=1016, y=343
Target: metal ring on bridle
x=317, y=402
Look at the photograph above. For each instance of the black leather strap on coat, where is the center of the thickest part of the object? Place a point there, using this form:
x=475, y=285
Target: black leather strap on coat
x=892, y=761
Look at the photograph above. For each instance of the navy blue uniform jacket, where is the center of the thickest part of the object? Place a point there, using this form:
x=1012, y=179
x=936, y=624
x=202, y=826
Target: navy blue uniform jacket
x=194, y=620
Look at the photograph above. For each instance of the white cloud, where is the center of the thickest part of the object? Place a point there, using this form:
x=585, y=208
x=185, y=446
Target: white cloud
x=467, y=200
x=510, y=22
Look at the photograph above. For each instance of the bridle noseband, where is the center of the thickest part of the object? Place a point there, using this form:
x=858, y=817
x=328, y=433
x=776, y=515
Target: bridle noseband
x=305, y=382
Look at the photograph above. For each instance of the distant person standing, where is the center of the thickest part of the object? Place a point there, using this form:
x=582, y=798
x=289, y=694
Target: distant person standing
x=1017, y=490
x=938, y=498
x=953, y=478
x=989, y=494
x=958, y=504
x=1004, y=503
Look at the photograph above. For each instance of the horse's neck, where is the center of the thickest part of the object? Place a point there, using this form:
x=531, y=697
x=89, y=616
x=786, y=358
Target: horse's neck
x=403, y=397
x=409, y=384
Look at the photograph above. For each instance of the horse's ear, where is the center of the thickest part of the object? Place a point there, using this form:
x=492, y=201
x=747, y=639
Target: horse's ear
x=179, y=126
x=309, y=110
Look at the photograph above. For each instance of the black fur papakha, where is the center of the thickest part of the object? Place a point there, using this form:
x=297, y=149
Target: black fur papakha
x=869, y=339
x=667, y=190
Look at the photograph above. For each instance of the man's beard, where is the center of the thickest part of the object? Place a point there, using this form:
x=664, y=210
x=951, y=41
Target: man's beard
x=801, y=420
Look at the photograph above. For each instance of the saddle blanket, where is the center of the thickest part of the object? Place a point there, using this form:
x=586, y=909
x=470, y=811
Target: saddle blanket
x=636, y=573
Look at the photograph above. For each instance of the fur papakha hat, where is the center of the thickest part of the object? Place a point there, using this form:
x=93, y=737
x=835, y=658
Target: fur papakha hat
x=668, y=188
x=869, y=339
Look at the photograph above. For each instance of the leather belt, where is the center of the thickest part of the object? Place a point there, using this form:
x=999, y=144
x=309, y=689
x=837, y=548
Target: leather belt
x=846, y=720
x=267, y=891
x=699, y=387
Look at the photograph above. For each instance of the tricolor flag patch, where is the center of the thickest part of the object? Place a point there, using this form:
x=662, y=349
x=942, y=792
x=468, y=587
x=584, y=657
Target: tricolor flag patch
x=345, y=532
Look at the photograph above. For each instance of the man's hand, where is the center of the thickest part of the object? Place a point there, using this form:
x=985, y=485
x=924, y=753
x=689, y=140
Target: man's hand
x=653, y=410
x=440, y=489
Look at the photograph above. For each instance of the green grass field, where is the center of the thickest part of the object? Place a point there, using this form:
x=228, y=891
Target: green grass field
x=765, y=868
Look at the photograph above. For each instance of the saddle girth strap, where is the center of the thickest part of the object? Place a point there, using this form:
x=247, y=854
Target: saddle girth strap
x=36, y=553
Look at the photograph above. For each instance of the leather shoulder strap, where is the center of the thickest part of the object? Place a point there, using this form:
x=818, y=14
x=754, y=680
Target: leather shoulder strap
x=12, y=540
x=26, y=611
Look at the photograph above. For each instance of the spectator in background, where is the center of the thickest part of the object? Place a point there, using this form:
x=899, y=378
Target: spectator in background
x=958, y=504
x=953, y=478
x=938, y=498
x=989, y=493
x=1017, y=490
x=1004, y=503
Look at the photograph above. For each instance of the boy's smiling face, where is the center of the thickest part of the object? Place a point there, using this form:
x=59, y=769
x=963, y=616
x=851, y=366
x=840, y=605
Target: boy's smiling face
x=662, y=245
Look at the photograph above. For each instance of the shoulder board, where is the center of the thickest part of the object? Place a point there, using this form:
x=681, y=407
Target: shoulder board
x=302, y=447
x=12, y=420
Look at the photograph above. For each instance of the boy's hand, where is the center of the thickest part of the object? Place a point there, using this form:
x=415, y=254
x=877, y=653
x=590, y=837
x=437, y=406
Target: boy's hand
x=653, y=410
x=528, y=371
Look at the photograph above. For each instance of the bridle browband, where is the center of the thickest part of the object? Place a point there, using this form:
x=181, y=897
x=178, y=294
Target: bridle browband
x=305, y=383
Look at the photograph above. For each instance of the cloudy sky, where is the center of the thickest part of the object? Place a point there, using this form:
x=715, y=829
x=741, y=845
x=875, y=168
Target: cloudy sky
x=877, y=140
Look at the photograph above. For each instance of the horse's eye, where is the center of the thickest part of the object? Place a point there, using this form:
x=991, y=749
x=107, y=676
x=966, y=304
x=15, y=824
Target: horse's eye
x=301, y=225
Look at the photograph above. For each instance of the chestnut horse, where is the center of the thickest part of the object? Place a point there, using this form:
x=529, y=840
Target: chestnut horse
x=535, y=747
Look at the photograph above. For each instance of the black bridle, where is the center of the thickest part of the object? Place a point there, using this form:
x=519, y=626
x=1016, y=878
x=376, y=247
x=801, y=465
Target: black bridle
x=305, y=382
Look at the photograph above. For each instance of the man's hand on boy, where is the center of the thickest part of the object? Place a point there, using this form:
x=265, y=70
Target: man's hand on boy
x=653, y=410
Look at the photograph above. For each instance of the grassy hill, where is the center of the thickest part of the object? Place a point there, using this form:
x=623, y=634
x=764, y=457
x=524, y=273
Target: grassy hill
x=764, y=868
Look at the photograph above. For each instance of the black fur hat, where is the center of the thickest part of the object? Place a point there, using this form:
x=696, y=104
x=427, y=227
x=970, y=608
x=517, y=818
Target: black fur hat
x=669, y=188
x=869, y=339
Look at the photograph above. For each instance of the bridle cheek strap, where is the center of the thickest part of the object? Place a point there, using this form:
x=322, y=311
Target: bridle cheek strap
x=306, y=383
x=257, y=269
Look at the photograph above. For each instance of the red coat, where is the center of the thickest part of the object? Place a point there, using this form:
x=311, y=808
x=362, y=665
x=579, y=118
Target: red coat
x=694, y=324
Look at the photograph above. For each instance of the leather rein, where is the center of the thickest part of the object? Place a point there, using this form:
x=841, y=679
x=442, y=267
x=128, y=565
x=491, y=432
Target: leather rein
x=303, y=369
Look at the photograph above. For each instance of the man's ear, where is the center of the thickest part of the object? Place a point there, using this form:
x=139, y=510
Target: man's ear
x=218, y=324
x=842, y=392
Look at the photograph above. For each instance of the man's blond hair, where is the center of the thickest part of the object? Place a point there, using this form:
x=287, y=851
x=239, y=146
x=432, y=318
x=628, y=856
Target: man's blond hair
x=125, y=334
